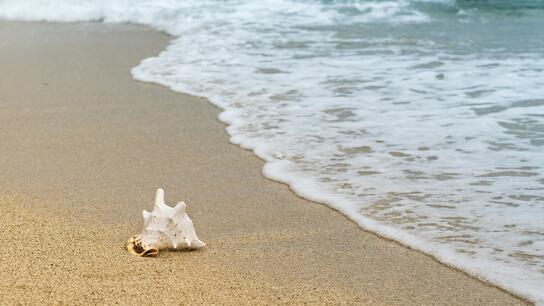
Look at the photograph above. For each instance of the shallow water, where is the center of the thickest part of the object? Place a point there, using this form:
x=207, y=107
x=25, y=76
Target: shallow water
x=420, y=120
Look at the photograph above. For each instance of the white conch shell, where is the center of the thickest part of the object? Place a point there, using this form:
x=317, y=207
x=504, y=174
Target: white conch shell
x=164, y=228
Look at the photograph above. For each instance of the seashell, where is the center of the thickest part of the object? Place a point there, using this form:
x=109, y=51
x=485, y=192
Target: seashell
x=164, y=228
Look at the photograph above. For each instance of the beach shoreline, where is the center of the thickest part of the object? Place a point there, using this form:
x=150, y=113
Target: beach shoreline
x=84, y=141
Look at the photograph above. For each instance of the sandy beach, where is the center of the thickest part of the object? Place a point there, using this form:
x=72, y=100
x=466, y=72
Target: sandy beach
x=83, y=148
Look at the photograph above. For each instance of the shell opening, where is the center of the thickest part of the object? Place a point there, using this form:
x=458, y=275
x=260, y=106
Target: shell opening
x=135, y=247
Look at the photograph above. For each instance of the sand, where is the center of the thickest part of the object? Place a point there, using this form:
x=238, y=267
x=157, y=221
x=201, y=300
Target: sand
x=82, y=149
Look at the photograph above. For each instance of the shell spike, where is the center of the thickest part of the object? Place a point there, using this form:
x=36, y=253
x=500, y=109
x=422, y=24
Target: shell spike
x=197, y=244
x=159, y=198
x=180, y=207
x=179, y=212
x=147, y=217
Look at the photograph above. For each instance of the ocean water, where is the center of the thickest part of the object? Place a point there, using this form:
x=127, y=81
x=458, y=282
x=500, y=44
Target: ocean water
x=421, y=120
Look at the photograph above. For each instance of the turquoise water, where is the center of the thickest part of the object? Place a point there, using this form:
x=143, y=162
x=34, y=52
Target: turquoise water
x=420, y=120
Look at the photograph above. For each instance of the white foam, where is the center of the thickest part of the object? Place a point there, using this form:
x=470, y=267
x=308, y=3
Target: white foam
x=413, y=137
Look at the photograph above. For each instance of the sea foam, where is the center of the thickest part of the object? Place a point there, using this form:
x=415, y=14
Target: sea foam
x=396, y=113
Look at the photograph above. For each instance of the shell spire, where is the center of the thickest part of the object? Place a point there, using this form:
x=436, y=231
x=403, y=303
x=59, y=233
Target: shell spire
x=164, y=228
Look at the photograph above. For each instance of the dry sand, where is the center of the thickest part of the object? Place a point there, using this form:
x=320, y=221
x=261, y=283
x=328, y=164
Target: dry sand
x=83, y=148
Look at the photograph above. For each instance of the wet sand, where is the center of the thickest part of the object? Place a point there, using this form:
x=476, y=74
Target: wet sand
x=83, y=148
